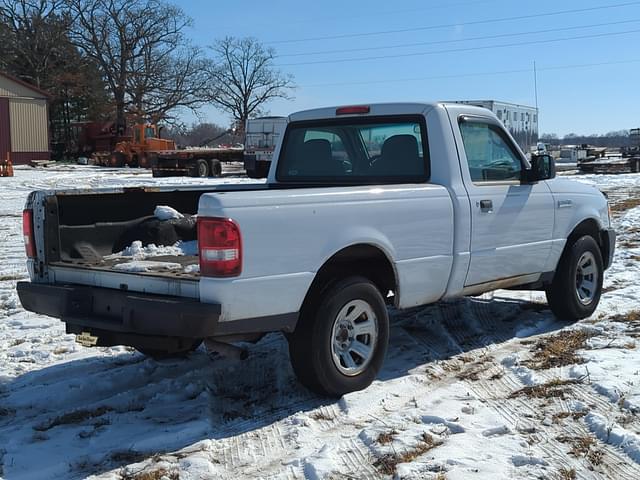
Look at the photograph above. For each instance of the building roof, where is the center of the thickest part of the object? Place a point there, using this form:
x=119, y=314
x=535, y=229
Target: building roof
x=499, y=102
x=38, y=91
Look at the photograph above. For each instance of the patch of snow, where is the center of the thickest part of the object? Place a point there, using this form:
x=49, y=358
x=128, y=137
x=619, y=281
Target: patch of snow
x=614, y=434
x=138, y=252
x=164, y=212
x=192, y=269
x=146, y=266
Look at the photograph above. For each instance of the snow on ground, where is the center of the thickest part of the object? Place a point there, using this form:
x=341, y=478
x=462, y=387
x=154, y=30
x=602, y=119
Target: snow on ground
x=487, y=387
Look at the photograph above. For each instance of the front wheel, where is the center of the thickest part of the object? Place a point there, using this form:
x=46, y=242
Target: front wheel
x=339, y=346
x=577, y=285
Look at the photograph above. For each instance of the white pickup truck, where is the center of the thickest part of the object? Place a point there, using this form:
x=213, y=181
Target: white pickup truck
x=400, y=204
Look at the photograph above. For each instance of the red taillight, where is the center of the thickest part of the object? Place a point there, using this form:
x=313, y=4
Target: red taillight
x=27, y=233
x=352, y=110
x=219, y=247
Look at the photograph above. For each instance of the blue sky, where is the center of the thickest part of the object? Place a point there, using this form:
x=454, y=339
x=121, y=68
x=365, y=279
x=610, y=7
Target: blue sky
x=574, y=95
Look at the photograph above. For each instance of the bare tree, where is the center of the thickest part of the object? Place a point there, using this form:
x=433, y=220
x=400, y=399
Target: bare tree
x=244, y=78
x=35, y=46
x=135, y=43
x=160, y=82
x=33, y=33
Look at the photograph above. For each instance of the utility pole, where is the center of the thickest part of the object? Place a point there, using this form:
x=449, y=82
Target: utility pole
x=535, y=87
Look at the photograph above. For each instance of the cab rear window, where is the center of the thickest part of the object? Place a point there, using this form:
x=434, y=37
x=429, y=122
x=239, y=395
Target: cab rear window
x=355, y=151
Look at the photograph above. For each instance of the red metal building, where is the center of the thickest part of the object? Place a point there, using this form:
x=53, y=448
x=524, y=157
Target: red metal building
x=24, y=121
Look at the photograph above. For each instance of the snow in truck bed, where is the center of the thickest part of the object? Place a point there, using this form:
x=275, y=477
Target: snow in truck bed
x=489, y=387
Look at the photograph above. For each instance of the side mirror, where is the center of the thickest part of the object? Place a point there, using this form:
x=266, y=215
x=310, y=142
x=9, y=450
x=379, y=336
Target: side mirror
x=543, y=167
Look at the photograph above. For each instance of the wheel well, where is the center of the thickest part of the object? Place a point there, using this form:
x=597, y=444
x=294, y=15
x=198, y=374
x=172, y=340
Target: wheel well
x=587, y=227
x=357, y=260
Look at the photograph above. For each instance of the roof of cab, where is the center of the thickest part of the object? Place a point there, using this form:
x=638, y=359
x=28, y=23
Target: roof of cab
x=399, y=108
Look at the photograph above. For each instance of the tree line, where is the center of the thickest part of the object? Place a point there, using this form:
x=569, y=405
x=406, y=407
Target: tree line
x=619, y=138
x=130, y=60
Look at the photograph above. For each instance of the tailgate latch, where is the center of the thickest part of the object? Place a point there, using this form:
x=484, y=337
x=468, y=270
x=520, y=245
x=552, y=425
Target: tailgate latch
x=86, y=339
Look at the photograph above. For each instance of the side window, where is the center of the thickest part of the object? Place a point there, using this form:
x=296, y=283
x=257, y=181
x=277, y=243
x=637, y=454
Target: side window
x=489, y=156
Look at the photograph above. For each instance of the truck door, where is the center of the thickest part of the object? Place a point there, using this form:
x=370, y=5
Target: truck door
x=511, y=221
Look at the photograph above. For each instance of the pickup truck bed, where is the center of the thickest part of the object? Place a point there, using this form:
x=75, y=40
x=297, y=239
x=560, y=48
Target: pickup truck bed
x=85, y=230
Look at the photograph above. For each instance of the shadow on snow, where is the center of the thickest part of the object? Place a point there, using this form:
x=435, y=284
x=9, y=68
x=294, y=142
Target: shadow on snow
x=96, y=414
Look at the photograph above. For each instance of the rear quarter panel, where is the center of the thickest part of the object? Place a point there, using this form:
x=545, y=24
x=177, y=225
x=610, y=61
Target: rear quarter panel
x=288, y=235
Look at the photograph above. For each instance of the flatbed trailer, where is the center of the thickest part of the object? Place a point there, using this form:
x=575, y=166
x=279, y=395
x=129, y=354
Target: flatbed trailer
x=611, y=165
x=193, y=162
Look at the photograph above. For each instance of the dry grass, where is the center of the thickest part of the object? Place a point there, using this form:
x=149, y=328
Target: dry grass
x=567, y=473
x=386, y=437
x=629, y=243
x=626, y=204
x=562, y=415
x=77, y=416
x=11, y=276
x=319, y=415
x=156, y=474
x=472, y=368
x=583, y=447
x=387, y=464
x=630, y=317
x=552, y=389
x=558, y=350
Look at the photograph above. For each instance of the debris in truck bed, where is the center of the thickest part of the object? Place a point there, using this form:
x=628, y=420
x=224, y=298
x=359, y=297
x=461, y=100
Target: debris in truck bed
x=146, y=266
x=139, y=252
x=164, y=212
x=192, y=269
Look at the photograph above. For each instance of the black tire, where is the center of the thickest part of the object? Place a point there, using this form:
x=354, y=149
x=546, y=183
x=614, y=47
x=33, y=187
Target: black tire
x=310, y=346
x=563, y=293
x=216, y=168
x=117, y=160
x=202, y=168
x=160, y=354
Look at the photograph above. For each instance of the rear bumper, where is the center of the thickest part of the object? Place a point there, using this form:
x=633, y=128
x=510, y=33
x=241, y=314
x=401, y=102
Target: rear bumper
x=124, y=318
x=609, y=245
x=121, y=311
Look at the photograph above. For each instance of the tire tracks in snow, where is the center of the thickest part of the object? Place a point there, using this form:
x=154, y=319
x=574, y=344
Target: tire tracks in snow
x=524, y=416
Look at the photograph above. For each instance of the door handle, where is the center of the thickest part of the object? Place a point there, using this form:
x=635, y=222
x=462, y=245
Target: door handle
x=486, y=206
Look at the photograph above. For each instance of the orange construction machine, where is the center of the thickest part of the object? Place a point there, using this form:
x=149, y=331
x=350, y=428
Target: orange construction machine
x=138, y=149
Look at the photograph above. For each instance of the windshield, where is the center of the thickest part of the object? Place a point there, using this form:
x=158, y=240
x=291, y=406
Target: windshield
x=355, y=151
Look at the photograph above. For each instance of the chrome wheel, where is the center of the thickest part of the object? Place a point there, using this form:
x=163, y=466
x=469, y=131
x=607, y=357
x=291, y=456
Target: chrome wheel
x=586, y=278
x=353, y=338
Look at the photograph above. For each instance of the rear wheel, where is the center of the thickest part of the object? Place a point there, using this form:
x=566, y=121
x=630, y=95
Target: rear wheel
x=216, y=168
x=577, y=285
x=341, y=340
x=202, y=168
